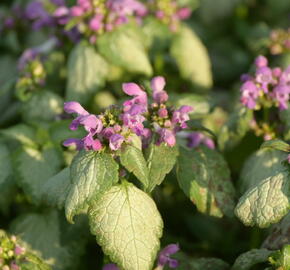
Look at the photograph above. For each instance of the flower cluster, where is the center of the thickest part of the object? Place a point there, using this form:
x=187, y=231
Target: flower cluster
x=268, y=87
x=93, y=18
x=169, y=12
x=194, y=139
x=32, y=73
x=163, y=259
x=11, y=253
x=136, y=117
x=279, y=41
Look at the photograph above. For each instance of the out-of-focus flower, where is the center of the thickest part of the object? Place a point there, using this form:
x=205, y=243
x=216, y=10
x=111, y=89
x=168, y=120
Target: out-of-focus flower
x=164, y=256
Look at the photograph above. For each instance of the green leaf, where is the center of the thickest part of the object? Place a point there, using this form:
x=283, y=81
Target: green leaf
x=160, y=161
x=247, y=260
x=283, y=260
x=124, y=48
x=128, y=226
x=204, y=176
x=92, y=174
x=43, y=233
x=87, y=71
x=42, y=106
x=285, y=117
x=276, y=144
x=32, y=262
x=34, y=168
x=191, y=58
x=5, y=165
x=133, y=160
x=21, y=133
x=56, y=189
x=265, y=203
x=235, y=129
x=260, y=165
x=279, y=236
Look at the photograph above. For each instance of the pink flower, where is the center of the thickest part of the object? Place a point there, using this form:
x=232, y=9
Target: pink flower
x=157, y=85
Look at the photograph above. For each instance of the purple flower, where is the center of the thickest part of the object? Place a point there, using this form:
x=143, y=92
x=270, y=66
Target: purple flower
x=164, y=256
x=116, y=141
x=89, y=143
x=62, y=15
x=250, y=93
x=261, y=61
x=133, y=122
x=78, y=143
x=281, y=94
x=157, y=85
x=140, y=97
x=180, y=116
x=96, y=22
x=27, y=56
x=74, y=107
x=194, y=139
x=167, y=136
x=288, y=158
x=110, y=266
x=264, y=77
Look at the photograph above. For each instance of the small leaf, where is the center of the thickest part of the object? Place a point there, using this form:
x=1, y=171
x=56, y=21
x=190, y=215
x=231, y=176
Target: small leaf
x=128, y=226
x=247, y=260
x=92, y=174
x=204, y=177
x=133, y=160
x=191, y=57
x=279, y=236
x=42, y=106
x=124, y=48
x=34, y=167
x=87, y=71
x=276, y=144
x=5, y=165
x=235, y=129
x=32, y=262
x=265, y=203
x=160, y=161
x=56, y=189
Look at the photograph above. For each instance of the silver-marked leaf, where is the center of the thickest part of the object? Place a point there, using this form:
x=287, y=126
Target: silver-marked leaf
x=43, y=233
x=276, y=144
x=91, y=174
x=204, y=176
x=128, y=226
x=34, y=167
x=247, y=260
x=191, y=57
x=5, y=165
x=260, y=165
x=267, y=202
x=160, y=161
x=124, y=48
x=42, y=106
x=133, y=160
x=56, y=189
x=279, y=236
x=21, y=133
x=87, y=71
x=235, y=129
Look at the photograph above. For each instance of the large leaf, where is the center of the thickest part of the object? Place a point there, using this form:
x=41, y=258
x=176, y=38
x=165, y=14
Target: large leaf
x=44, y=234
x=160, y=161
x=247, y=260
x=204, y=177
x=259, y=166
x=5, y=165
x=124, y=48
x=267, y=202
x=87, y=71
x=191, y=57
x=128, y=226
x=91, y=173
x=235, y=129
x=34, y=168
x=56, y=189
x=42, y=106
x=133, y=160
